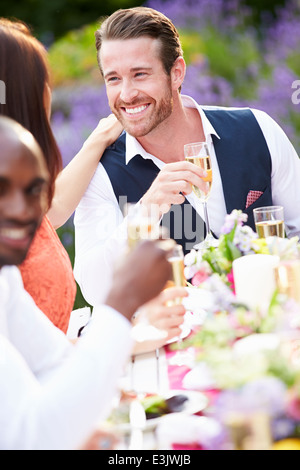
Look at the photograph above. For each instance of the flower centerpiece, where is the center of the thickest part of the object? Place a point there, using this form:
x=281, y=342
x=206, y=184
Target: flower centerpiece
x=236, y=240
x=210, y=270
x=252, y=358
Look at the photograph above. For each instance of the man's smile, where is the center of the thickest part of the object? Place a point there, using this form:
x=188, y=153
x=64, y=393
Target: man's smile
x=133, y=111
x=17, y=237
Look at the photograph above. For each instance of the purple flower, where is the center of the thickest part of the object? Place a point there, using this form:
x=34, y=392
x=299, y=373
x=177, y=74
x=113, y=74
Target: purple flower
x=282, y=427
x=261, y=78
x=266, y=394
x=77, y=112
x=235, y=218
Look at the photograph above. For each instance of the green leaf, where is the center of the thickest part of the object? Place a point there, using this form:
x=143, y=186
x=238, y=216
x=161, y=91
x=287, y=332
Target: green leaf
x=234, y=251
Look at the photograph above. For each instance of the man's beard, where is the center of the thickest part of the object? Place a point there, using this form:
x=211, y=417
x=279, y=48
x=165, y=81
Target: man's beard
x=145, y=126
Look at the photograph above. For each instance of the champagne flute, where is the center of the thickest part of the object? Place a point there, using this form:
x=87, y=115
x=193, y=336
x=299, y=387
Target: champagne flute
x=141, y=224
x=269, y=221
x=176, y=258
x=165, y=243
x=198, y=154
x=287, y=278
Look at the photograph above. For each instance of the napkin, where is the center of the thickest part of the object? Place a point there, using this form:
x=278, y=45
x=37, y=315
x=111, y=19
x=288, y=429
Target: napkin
x=199, y=378
x=78, y=319
x=188, y=431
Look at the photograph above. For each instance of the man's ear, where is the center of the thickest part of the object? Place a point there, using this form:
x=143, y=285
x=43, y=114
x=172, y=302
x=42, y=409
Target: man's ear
x=178, y=72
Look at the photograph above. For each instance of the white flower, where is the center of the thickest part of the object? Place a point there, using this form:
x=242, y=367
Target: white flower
x=223, y=297
x=190, y=258
x=243, y=238
x=190, y=271
x=285, y=248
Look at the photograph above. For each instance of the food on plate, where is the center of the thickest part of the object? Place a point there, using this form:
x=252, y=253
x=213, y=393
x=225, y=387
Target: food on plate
x=154, y=405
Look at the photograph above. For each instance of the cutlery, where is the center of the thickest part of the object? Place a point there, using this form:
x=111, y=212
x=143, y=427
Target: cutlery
x=137, y=419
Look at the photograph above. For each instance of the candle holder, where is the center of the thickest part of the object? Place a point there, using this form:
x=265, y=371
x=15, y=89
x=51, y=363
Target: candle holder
x=254, y=280
x=287, y=278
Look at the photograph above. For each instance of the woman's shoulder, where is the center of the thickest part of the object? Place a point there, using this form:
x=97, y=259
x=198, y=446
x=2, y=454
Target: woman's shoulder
x=47, y=275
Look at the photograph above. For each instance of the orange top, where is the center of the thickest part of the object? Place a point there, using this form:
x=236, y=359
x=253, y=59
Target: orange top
x=48, y=276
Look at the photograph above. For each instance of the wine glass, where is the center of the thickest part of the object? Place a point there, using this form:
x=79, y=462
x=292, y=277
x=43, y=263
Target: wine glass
x=176, y=258
x=269, y=221
x=198, y=154
x=287, y=278
x=141, y=224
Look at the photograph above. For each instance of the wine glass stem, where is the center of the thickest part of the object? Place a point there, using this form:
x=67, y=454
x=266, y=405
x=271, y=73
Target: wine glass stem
x=132, y=381
x=157, y=370
x=206, y=218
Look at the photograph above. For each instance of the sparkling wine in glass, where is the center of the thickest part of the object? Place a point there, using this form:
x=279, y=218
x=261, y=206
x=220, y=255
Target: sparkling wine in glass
x=287, y=278
x=176, y=259
x=141, y=224
x=198, y=154
x=269, y=221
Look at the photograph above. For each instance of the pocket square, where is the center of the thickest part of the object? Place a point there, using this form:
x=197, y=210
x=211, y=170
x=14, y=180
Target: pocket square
x=252, y=196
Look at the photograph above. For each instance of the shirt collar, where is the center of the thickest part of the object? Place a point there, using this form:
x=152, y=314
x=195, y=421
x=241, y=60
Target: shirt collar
x=133, y=147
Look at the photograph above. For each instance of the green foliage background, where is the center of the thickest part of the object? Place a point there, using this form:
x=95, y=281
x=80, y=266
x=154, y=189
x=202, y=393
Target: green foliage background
x=51, y=19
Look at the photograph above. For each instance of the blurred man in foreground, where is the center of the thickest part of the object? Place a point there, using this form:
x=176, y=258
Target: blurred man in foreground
x=53, y=393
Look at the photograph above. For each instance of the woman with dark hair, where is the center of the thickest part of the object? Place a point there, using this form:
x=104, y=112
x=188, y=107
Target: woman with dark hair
x=47, y=272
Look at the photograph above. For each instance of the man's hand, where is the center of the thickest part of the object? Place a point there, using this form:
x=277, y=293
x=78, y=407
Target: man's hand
x=171, y=185
x=165, y=312
x=141, y=276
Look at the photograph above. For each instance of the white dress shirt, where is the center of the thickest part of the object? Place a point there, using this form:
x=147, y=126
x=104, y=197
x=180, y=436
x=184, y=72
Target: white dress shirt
x=52, y=393
x=100, y=233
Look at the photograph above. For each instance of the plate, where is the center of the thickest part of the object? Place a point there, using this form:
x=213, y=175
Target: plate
x=196, y=402
x=143, y=347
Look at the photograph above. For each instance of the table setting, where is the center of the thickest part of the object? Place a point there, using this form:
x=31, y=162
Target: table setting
x=247, y=356
x=231, y=380
x=239, y=376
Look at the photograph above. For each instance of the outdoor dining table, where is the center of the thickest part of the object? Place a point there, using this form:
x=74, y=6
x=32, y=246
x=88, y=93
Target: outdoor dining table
x=154, y=373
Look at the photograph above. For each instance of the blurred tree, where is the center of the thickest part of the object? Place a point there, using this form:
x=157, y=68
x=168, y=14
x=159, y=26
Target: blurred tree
x=51, y=19
x=261, y=7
